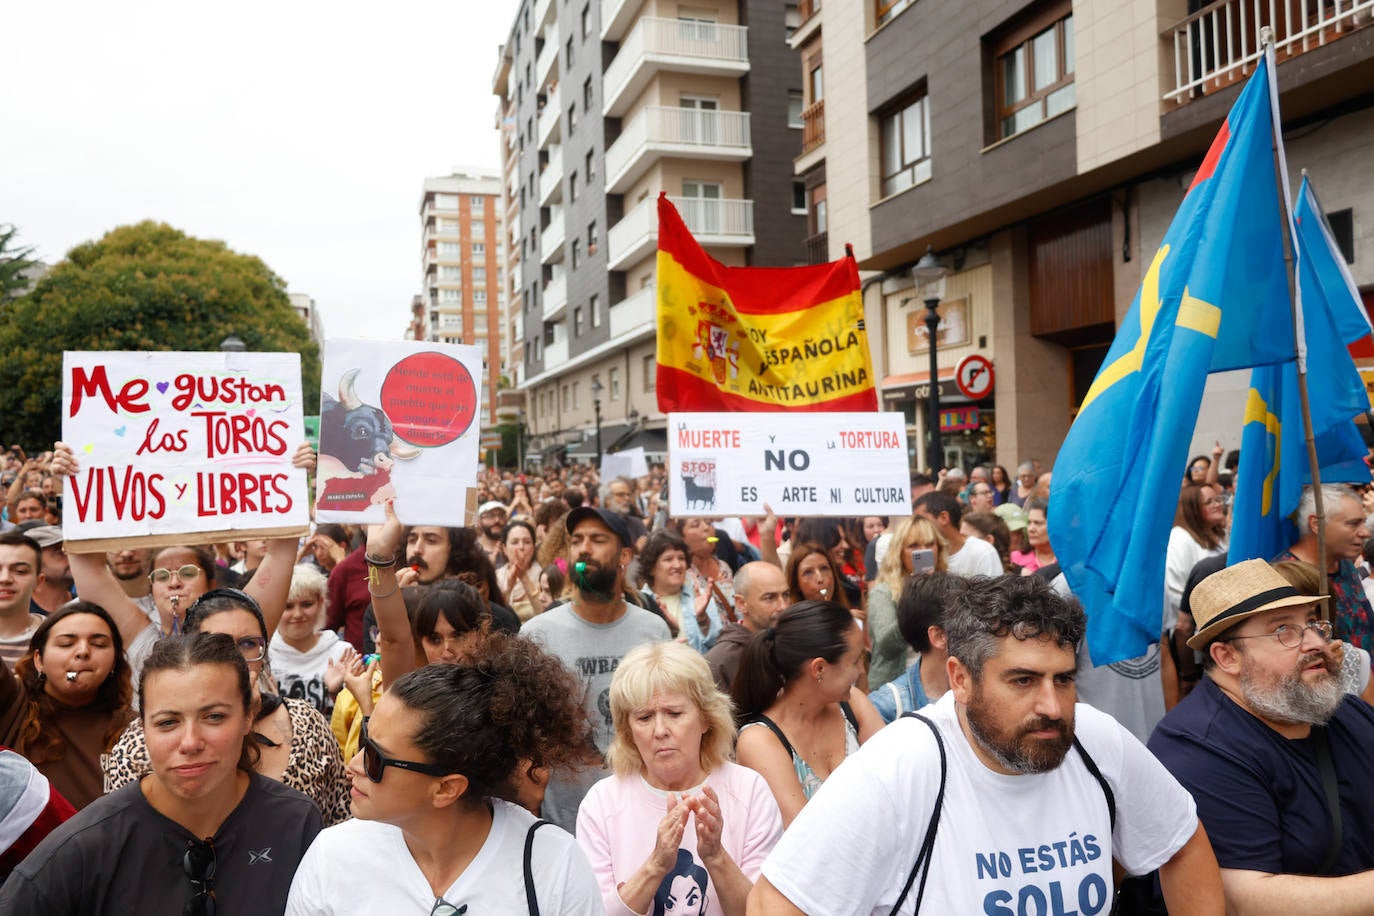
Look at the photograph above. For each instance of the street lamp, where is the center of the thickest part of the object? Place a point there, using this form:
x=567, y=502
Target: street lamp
x=929, y=276
x=596, y=407
x=232, y=344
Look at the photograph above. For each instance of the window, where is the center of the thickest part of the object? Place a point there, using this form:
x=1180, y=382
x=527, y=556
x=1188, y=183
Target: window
x=799, y=198
x=449, y=250
x=577, y=394
x=446, y=201
x=577, y=321
x=701, y=208
x=594, y=306
x=815, y=79
x=1034, y=75
x=479, y=297
x=791, y=18
x=650, y=369
x=572, y=117
x=586, y=20
x=794, y=108
x=820, y=216
x=888, y=9
x=450, y=321
x=614, y=378
x=568, y=56
x=448, y=226
x=576, y=253
x=590, y=168
x=477, y=204
x=587, y=95
x=566, y=401
x=451, y=273
x=591, y=238
x=477, y=230
x=572, y=184
x=450, y=296
x=479, y=248
x=905, y=144
x=479, y=275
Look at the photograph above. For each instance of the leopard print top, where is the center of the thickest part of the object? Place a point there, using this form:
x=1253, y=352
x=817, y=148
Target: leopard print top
x=315, y=766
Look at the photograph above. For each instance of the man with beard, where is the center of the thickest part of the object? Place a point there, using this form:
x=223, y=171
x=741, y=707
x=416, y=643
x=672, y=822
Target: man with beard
x=491, y=531
x=590, y=635
x=1275, y=752
x=55, y=585
x=1039, y=793
x=1345, y=535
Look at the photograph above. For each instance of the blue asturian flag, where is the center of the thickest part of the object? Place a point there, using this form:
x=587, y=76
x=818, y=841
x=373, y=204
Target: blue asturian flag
x=1215, y=297
x=1273, y=452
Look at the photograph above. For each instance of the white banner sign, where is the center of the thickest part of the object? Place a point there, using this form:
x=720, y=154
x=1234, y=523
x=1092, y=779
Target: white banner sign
x=398, y=420
x=629, y=463
x=182, y=447
x=840, y=464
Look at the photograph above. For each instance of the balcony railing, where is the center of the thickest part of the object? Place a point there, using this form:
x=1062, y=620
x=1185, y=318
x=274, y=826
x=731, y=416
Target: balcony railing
x=635, y=313
x=556, y=297
x=818, y=248
x=681, y=45
x=551, y=179
x=616, y=17
x=714, y=222
x=549, y=117
x=664, y=130
x=813, y=126
x=546, y=61
x=551, y=242
x=1220, y=43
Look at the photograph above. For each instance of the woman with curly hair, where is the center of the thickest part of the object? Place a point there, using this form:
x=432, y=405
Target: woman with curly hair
x=671, y=751
x=69, y=700
x=435, y=827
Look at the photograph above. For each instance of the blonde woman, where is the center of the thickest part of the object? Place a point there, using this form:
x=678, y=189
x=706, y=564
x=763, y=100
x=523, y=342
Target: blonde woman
x=889, y=648
x=678, y=828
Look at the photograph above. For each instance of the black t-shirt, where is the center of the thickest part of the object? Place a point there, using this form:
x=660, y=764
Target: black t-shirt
x=120, y=856
x=1259, y=794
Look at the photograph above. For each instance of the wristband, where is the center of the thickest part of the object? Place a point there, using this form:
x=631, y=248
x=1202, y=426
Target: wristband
x=380, y=563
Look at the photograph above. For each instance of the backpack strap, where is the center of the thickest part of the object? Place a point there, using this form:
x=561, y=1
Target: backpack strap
x=896, y=698
x=849, y=715
x=1333, y=798
x=1097, y=774
x=927, y=850
x=773, y=727
x=531, y=900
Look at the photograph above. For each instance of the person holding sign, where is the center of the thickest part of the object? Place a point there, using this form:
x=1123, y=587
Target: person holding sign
x=180, y=575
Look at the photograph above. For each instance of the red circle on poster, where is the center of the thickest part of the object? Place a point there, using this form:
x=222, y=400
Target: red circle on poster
x=430, y=399
x=974, y=377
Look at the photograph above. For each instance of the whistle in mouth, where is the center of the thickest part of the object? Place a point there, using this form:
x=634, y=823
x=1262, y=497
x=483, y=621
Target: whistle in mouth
x=580, y=566
x=71, y=676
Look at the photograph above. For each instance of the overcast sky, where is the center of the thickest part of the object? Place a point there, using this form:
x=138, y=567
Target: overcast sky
x=296, y=131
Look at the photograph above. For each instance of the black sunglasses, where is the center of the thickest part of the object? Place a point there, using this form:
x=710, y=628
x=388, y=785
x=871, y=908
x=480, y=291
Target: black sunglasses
x=199, y=865
x=375, y=763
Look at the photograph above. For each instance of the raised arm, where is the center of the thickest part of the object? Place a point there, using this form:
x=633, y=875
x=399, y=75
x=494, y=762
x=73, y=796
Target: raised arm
x=395, y=642
x=272, y=582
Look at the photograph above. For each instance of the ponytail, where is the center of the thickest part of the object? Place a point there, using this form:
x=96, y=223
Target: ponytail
x=758, y=680
x=775, y=657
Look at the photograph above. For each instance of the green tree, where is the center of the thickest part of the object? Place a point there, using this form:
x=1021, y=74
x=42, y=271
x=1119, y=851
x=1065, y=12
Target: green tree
x=142, y=287
x=13, y=261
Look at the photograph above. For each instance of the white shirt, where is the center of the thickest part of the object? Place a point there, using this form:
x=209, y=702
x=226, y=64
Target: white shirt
x=1041, y=843
x=976, y=558
x=365, y=867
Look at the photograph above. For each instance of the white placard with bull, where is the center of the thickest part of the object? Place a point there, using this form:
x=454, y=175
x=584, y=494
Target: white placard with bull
x=182, y=448
x=398, y=420
x=800, y=464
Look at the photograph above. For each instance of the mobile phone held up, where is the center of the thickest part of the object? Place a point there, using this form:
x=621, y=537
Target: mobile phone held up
x=922, y=560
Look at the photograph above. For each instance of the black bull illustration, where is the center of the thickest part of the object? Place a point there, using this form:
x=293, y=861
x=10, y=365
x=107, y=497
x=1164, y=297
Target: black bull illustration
x=355, y=433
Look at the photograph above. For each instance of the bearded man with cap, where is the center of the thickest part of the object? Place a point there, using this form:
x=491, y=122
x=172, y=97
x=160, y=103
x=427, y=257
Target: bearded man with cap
x=590, y=635
x=491, y=531
x=1277, y=756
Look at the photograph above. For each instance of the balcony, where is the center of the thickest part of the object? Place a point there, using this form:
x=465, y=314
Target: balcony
x=556, y=353
x=809, y=11
x=1219, y=44
x=634, y=314
x=679, y=46
x=813, y=126
x=691, y=133
x=546, y=64
x=551, y=242
x=556, y=297
x=818, y=248
x=617, y=16
x=715, y=223
x=549, y=118
x=551, y=179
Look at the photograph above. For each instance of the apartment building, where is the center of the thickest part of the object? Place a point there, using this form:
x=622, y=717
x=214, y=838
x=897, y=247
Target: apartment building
x=1042, y=148
x=309, y=313
x=461, y=256
x=603, y=104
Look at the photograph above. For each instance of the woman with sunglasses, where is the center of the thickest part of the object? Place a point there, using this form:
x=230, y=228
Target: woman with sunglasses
x=180, y=575
x=200, y=833
x=296, y=746
x=69, y=699
x=436, y=830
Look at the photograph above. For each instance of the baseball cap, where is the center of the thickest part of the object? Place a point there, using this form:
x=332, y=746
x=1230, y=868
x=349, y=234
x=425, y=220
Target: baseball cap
x=1013, y=515
x=491, y=505
x=606, y=517
x=45, y=535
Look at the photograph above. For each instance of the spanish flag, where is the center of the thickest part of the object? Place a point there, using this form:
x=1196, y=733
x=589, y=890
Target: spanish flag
x=757, y=338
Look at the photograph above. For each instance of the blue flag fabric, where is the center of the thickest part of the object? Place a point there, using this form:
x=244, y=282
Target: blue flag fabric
x=1273, y=452
x=1214, y=297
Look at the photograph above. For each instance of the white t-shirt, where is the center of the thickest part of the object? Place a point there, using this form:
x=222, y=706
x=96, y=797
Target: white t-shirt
x=976, y=558
x=301, y=674
x=1041, y=843
x=364, y=867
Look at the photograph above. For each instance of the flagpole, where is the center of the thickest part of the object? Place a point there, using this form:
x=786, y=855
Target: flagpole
x=1299, y=325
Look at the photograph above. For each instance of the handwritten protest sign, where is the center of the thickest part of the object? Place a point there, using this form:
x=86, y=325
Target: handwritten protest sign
x=838, y=464
x=398, y=420
x=182, y=448
x=629, y=463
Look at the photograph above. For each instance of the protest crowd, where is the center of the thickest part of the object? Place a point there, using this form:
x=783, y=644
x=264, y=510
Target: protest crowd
x=581, y=704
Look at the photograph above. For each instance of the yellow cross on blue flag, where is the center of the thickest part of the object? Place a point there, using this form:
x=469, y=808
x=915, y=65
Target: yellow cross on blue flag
x=1215, y=297
x=1273, y=453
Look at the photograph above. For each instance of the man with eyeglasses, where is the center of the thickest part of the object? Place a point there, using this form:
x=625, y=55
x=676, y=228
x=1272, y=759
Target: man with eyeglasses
x=760, y=596
x=1345, y=536
x=1276, y=755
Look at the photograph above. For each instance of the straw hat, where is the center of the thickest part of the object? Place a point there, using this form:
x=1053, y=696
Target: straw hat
x=1227, y=597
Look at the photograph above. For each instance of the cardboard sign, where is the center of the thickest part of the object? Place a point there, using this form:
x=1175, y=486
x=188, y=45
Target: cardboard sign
x=630, y=463
x=807, y=464
x=398, y=419
x=182, y=448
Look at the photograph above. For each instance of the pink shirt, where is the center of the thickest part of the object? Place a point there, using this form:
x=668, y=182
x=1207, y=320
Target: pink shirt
x=618, y=823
